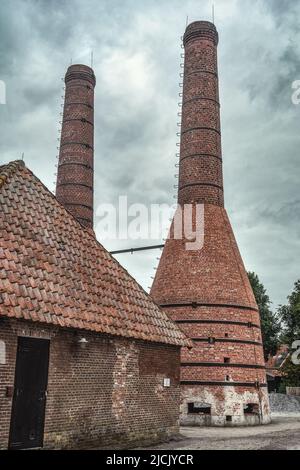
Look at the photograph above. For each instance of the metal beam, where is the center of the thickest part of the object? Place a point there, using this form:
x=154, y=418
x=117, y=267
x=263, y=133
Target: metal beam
x=132, y=250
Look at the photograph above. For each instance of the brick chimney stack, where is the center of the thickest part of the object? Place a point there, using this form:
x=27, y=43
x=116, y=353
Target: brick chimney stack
x=200, y=176
x=207, y=291
x=75, y=176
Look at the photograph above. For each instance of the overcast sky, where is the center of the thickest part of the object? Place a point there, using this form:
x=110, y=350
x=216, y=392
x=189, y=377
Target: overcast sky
x=136, y=47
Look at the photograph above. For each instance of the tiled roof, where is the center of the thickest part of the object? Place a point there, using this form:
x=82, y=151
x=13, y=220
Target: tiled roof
x=54, y=271
x=277, y=361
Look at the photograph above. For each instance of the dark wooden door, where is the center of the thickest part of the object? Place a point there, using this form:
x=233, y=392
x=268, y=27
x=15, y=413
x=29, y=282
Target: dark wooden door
x=29, y=401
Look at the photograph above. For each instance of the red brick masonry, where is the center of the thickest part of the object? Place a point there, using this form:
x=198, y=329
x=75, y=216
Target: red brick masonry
x=207, y=291
x=75, y=177
x=110, y=393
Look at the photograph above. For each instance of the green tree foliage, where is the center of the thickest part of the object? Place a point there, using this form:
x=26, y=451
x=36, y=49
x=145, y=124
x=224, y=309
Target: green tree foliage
x=270, y=325
x=291, y=374
x=290, y=318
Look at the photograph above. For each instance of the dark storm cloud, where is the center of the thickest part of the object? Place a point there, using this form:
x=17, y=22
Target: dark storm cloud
x=287, y=214
x=136, y=48
x=277, y=58
x=280, y=8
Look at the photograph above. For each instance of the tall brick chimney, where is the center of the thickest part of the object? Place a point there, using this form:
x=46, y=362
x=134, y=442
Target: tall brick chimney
x=200, y=176
x=74, y=187
x=207, y=291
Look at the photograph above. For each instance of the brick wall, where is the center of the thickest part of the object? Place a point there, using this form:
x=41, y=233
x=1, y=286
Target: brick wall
x=110, y=392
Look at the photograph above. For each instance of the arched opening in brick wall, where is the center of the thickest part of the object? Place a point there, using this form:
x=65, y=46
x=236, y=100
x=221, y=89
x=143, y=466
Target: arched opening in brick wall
x=251, y=409
x=199, y=408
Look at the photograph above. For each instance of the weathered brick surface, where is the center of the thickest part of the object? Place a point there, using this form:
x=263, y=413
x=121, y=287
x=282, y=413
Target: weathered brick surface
x=214, y=274
x=207, y=291
x=225, y=401
x=110, y=393
x=75, y=177
x=236, y=352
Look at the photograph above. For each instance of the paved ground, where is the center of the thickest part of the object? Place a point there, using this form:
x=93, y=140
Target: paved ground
x=282, y=434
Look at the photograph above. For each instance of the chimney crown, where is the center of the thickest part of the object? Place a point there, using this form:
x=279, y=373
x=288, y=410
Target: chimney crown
x=80, y=72
x=202, y=29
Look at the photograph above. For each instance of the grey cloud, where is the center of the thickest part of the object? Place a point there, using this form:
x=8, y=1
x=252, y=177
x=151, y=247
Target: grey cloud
x=287, y=214
x=137, y=51
x=280, y=8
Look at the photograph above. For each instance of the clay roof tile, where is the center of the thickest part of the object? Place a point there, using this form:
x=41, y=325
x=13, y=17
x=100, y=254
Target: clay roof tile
x=53, y=270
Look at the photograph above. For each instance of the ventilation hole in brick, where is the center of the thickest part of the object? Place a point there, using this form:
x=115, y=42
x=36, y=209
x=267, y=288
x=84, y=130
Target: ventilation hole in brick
x=228, y=419
x=251, y=409
x=199, y=408
x=227, y=378
x=226, y=335
x=226, y=360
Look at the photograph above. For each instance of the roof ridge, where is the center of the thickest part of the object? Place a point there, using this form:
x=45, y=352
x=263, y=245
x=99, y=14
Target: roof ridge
x=8, y=169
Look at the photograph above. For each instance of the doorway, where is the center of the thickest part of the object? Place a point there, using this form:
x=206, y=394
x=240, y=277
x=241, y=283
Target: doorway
x=30, y=390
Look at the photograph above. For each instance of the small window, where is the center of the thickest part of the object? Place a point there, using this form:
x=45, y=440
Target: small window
x=199, y=408
x=226, y=335
x=227, y=378
x=2, y=353
x=228, y=419
x=226, y=360
x=251, y=409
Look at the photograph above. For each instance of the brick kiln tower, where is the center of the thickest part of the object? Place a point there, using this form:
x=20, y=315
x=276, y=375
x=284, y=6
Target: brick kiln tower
x=74, y=187
x=207, y=291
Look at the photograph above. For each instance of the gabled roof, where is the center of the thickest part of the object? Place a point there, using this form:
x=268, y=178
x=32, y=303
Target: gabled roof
x=52, y=270
x=275, y=363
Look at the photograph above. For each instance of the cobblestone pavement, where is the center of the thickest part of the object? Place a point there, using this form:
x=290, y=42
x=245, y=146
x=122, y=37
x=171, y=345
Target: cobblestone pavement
x=282, y=434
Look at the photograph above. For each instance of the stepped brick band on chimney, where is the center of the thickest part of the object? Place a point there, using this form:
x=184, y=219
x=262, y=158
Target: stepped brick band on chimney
x=74, y=188
x=207, y=291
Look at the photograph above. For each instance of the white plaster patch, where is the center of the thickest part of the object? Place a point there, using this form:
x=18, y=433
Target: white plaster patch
x=231, y=405
x=126, y=353
x=2, y=353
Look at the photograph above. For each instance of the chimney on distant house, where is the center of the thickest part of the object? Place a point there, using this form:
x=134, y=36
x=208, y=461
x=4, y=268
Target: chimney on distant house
x=75, y=176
